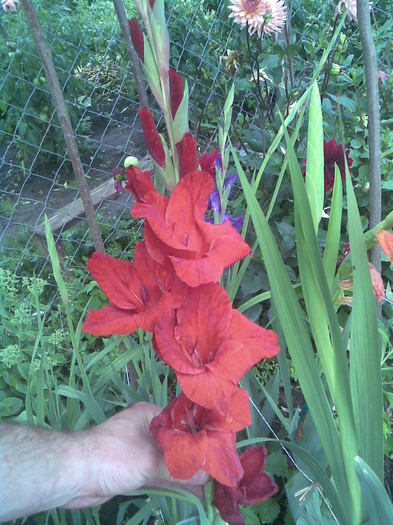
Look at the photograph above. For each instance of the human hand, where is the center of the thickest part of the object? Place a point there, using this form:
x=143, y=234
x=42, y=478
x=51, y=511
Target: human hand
x=120, y=456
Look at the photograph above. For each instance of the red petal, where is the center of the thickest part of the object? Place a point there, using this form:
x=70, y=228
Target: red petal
x=225, y=248
x=110, y=320
x=222, y=460
x=189, y=447
x=189, y=200
x=207, y=162
x=140, y=184
x=137, y=38
x=208, y=390
x=152, y=138
x=176, y=90
x=239, y=415
x=188, y=157
x=253, y=461
x=118, y=280
x=168, y=348
x=177, y=225
x=226, y=501
x=204, y=319
x=245, y=345
x=255, y=486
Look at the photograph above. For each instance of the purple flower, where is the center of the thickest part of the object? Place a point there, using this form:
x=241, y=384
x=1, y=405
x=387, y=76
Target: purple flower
x=215, y=203
x=237, y=222
x=119, y=186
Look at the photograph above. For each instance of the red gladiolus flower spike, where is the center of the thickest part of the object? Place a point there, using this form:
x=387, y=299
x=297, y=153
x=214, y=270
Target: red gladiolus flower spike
x=211, y=346
x=254, y=487
x=152, y=138
x=194, y=438
x=176, y=90
x=138, y=293
x=198, y=251
x=188, y=155
x=137, y=38
x=208, y=161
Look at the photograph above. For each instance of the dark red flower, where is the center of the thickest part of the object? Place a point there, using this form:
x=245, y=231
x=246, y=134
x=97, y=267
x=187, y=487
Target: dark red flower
x=194, y=438
x=211, y=346
x=142, y=187
x=152, y=3
x=139, y=293
x=152, y=138
x=188, y=155
x=175, y=228
x=334, y=154
x=137, y=37
x=254, y=487
x=208, y=162
x=176, y=90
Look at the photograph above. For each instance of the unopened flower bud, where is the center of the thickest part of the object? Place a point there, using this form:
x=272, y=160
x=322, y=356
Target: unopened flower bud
x=131, y=161
x=335, y=70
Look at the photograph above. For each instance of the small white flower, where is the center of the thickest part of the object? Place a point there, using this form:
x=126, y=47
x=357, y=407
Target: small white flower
x=10, y=5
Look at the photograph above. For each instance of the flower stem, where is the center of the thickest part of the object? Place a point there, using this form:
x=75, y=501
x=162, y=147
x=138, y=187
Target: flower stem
x=209, y=495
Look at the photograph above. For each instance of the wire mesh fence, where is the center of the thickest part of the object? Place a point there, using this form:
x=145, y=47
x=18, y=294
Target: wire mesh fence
x=36, y=175
x=99, y=89
x=95, y=76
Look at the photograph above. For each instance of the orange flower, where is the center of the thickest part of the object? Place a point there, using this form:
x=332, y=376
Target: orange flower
x=385, y=240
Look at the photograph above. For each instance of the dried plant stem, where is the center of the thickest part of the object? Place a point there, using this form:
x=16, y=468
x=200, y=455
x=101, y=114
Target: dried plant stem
x=65, y=122
x=370, y=60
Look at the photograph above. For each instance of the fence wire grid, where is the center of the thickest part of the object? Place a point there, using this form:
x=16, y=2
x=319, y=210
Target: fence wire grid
x=36, y=175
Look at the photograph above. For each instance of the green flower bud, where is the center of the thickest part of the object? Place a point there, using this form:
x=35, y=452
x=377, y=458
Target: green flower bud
x=131, y=161
x=335, y=70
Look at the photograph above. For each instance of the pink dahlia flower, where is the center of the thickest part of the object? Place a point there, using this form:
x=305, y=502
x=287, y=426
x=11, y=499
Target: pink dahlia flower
x=262, y=16
x=350, y=5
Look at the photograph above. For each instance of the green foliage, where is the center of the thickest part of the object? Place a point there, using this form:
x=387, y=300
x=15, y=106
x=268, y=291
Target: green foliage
x=84, y=38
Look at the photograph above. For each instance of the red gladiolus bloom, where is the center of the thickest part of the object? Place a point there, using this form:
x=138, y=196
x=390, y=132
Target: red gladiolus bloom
x=194, y=438
x=175, y=228
x=152, y=138
x=385, y=240
x=176, y=90
x=208, y=161
x=188, y=157
x=334, y=154
x=138, y=292
x=254, y=487
x=211, y=346
x=137, y=37
x=187, y=150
